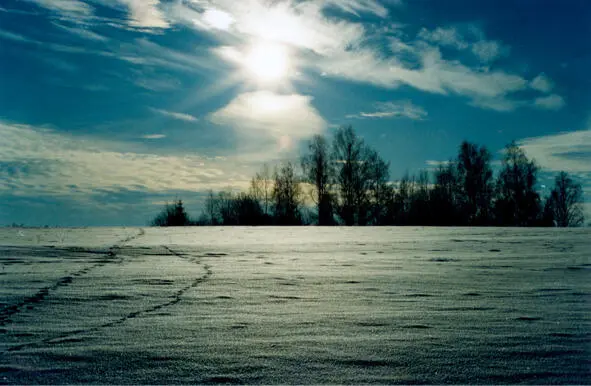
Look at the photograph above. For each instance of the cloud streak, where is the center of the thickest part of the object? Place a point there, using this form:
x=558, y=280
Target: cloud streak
x=395, y=109
x=569, y=151
x=73, y=8
x=145, y=13
x=153, y=136
x=42, y=162
x=179, y=116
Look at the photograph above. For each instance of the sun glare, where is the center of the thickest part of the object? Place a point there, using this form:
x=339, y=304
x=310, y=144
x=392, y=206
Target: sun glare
x=267, y=62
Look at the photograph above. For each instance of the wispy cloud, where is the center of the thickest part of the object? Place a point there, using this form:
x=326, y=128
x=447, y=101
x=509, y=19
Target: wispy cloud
x=500, y=104
x=153, y=136
x=550, y=102
x=473, y=40
x=395, y=109
x=38, y=161
x=82, y=32
x=175, y=115
x=156, y=82
x=75, y=8
x=487, y=51
x=145, y=13
x=568, y=151
x=542, y=83
x=434, y=163
x=8, y=35
x=360, y=6
x=444, y=36
x=59, y=64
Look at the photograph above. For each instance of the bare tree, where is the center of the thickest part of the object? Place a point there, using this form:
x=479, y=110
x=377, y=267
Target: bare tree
x=379, y=191
x=517, y=201
x=403, y=200
x=348, y=155
x=261, y=188
x=565, y=202
x=318, y=171
x=226, y=209
x=287, y=196
x=475, y=178
x=444, y=196
x=420, y=211
x=211, y=209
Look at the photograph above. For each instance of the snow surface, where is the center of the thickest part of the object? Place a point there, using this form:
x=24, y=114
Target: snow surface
x=295, y=305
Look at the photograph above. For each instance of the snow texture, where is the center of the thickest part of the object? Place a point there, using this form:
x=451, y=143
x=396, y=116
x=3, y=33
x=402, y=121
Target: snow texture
x=295, y=305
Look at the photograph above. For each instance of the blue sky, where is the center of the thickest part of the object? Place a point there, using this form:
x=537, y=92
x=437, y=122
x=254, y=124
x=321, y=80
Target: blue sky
x=109, y=108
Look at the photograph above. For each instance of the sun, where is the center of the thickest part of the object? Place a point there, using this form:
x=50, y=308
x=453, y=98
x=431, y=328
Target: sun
x=267, y=62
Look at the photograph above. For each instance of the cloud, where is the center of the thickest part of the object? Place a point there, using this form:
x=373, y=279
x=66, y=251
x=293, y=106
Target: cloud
x=145, y=13
x=175, y=115
x=82, y=32
x=550, y=102
x=139, y=52
x=153, y=136
x=15, y=37
x=38, y=161
x=487, y=51
x=444, y=36
x=302, y=25
x=395, y=109
x=500, y=104
x=59, y=64
x=542, y=83
x=569, y=151
x=435, y=163
x=142, y=13
x=345, y=48
x=425, y=69
x=73, y=8
x=159, y=83
x=273, y=115
x=359, y=6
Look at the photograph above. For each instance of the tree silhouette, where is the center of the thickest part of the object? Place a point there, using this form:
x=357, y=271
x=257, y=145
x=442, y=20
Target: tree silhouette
x=172, y=215
x=351, y=180
x=287, y=196
x=377, y=172
x=211, y=213
x=564, y=205
x=475, y=180
x=247, y=210
x=445, y=196
x=517, y=204
x=261, y=189
x=360, y=177
x=318, y=171
x=403, y=200
x=347, y=154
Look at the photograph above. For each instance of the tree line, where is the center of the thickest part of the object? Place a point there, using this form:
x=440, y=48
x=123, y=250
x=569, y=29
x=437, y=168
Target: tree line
x=343, y=181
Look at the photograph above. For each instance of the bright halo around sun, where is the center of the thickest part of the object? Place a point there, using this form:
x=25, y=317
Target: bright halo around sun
x=267, y=62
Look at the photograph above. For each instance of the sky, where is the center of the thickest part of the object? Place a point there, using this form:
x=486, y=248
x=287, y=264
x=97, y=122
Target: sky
x=110, y=108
